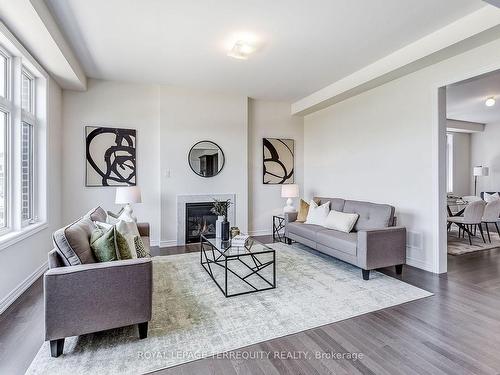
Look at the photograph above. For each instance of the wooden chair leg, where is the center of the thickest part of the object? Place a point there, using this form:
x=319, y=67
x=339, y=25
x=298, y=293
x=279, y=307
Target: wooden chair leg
x=488, y=231
x=481, y=230
x=496, y=226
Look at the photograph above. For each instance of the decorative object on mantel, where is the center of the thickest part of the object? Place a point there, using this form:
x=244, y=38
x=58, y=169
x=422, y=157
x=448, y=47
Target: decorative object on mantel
x=110, y=156
x=278, y=161
x=479, y=171
x=289, y=191
x=127, y=195
x=220, y=208
x=206, y=159
x=235, y=231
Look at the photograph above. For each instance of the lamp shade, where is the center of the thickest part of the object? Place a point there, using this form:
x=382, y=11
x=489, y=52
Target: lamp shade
x=481, y=171
x=128, y=194
x=289, y=191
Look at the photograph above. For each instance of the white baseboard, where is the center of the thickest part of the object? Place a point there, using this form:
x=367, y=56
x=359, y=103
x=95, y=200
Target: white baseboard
x=262, y=232
x=419, y=264
x=168, y=243
x=21, y=288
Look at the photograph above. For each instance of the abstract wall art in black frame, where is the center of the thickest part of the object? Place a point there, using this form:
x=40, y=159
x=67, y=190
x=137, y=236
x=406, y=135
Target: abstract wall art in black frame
x=110, y=156
x=278, y=161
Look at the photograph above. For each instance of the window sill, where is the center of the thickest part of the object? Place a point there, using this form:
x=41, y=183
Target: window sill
x=12, y=238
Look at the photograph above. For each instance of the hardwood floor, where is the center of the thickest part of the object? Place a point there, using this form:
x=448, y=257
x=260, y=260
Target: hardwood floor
x=453, y=332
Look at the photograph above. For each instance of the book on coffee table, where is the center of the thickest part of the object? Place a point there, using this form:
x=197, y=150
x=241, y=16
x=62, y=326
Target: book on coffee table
x=239, y=240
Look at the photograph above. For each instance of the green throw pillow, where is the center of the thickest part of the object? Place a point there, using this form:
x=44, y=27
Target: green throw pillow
x=122, y=247
x=103, y=245
x=142, y=252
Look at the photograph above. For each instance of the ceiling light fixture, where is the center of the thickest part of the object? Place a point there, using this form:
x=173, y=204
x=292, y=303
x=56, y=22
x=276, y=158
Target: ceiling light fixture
x=241, y=50
x=490, y=102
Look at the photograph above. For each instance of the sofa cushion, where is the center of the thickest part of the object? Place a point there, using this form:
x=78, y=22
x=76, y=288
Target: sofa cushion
x=371, y=215
x=345, y=242
x=304, y=230
x=96, y=214
x=336, y=204
x=73, y=242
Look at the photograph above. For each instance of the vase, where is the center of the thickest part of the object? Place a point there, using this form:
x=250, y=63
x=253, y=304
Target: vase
x=218, y=226
x=225, y=231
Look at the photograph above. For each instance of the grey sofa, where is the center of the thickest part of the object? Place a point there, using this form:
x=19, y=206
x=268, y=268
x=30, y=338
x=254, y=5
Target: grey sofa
x=375, y=241
x=83, y=296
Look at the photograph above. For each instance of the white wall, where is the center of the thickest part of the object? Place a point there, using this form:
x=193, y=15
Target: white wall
x=22, y=262
x=462, y=170
x=270, y=120
x=112, y=104
x=485, y=151
x=381, y=146
x=189, y=116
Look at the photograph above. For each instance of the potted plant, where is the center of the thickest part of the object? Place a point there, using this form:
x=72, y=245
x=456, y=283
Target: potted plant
x=220, y=208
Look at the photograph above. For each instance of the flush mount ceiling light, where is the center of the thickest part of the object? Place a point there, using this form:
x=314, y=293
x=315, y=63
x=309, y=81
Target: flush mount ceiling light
x=241, y=50
x=490, y=102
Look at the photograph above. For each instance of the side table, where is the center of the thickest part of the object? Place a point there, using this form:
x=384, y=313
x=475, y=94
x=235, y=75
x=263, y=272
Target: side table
x=279, y=228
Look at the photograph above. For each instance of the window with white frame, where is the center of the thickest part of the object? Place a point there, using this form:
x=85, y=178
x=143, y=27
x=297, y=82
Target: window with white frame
x=19, y=123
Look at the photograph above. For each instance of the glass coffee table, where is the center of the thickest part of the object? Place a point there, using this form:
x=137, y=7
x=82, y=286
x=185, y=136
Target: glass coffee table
x=239, y=270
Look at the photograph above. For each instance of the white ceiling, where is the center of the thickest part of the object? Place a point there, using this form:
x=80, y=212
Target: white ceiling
x=304, y=44
x=465, y=100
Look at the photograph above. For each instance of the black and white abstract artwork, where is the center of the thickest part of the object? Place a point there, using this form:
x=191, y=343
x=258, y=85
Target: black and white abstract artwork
x=110, y=156
x=278, y=161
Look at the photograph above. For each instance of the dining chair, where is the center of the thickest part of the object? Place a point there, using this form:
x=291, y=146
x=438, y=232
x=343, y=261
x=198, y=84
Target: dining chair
x=491, y=215
x=472, y=219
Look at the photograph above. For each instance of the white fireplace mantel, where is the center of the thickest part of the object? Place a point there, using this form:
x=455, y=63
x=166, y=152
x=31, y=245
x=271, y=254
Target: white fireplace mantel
x=198, y=198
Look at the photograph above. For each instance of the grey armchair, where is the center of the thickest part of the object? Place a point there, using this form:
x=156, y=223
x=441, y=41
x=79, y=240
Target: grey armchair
x=83, y=296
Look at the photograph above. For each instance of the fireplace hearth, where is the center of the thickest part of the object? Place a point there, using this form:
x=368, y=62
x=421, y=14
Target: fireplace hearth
x=199, y=220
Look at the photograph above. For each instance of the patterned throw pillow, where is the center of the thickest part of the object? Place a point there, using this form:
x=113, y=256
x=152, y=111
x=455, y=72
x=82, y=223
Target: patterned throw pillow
x=103, y=245
x=109, y=245
x=122, y=248
x=142, y=252
x=128, y=230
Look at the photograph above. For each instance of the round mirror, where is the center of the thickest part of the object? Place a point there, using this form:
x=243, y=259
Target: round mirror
x=206, y=159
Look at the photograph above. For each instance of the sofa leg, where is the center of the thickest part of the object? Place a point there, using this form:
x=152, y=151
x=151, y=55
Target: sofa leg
x=56, y=347
x=288, y=241
x=399, y=269
x=143, y=330
x=366, y=274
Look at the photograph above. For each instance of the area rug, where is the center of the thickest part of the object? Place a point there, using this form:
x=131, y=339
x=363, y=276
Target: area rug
x=192, y=319
x=460, y=246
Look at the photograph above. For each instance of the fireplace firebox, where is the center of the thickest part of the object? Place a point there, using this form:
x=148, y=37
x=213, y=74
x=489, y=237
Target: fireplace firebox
x=199, y=220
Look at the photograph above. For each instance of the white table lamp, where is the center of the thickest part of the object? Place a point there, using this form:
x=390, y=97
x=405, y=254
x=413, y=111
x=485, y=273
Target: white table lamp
x=127, y=195
x=479, y=171
x=289, y=191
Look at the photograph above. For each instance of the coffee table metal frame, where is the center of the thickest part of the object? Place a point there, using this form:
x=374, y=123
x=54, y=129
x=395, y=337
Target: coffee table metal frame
x=222, y=259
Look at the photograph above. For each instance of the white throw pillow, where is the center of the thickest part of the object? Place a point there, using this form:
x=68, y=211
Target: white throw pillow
x=317, y=214
x=124, y=215
x=129, y=230
x=491, y=197
x=104, y=226
x=341, y=221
